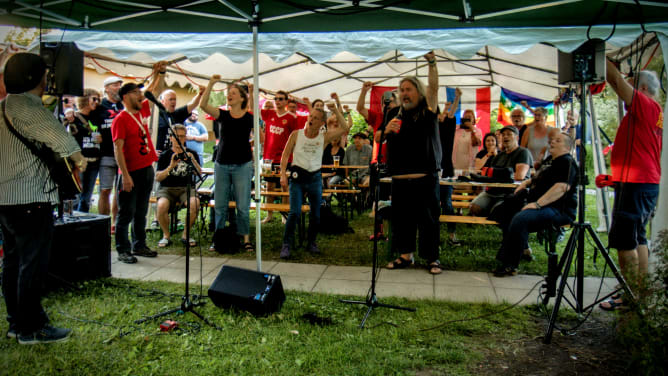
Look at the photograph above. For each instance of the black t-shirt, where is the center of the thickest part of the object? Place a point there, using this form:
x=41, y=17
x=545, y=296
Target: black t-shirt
x=519, y=155
x=234, y=147
x=328, y=158
x=105, y=114
x=178, y=177
x=179, y=116
x=417, y=146
x=84, y=133
x=562, y=169
x=447, y=130
x=481, y=154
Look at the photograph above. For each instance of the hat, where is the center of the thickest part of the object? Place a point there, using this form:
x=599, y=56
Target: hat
x=128, y=88
x=511, y=128
x=23, y=72
x=360, y=135
x=112, y=80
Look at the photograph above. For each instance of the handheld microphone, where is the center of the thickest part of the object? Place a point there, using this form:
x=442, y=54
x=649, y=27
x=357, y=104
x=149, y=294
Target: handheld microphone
x=151, y=97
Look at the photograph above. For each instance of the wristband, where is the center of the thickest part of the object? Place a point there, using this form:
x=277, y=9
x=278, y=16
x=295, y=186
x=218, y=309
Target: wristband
x=538, y=205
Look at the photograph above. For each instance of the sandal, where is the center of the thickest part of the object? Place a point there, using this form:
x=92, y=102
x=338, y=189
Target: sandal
x=613, y=305
x=435, y=267
x=164, y=242
x=248, y=247
x=212, y=247
x=400, y=263
x=193, y=243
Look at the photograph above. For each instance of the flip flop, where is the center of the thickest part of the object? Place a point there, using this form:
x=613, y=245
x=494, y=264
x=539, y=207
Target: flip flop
x=435, y=267
x=613, y=305
x=164, y=242
x=400, y=263
x=192, y=242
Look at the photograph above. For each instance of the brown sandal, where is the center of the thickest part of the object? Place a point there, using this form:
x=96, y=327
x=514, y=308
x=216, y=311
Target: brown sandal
x=435, y=267
x=400, y=263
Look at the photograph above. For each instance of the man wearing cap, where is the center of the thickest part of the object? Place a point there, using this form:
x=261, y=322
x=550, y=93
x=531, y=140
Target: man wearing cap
x=358, y=154
x=196, y=135
x=173, y=115
x=27, y=196
x=513, y=156
x=135, y=155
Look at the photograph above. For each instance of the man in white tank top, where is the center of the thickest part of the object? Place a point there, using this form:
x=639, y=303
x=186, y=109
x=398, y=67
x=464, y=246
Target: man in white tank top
x=306, y=147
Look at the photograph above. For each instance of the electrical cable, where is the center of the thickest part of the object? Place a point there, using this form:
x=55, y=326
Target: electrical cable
x=485, y=315
x=598, y=16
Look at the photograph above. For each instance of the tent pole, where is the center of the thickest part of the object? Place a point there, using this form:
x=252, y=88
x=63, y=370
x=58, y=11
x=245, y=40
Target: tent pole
x=602, y=201
x=256, y=138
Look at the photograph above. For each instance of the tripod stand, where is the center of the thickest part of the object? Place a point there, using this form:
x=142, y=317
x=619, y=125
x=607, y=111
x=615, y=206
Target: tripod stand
x=372, y=300
x=576, y=242
x=187, y=304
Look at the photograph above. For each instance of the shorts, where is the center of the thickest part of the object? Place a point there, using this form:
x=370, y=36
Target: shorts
x=108, y=172
x=634, y=206
x=174, y=194
x=486, y=202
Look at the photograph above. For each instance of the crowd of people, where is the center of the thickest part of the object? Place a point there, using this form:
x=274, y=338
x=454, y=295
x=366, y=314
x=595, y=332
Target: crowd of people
x=108, y=137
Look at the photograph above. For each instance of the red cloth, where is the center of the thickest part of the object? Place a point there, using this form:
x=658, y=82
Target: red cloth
x=277, y=130
x=483, y=98
x=636, y=157
x=375, y=120
x=376, y=97
x=138, y=147
x=604, y=181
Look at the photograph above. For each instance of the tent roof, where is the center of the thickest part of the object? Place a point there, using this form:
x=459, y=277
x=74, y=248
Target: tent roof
x=325, y=15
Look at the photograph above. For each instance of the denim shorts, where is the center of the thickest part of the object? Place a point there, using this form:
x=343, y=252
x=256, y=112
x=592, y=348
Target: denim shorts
x=634, y=206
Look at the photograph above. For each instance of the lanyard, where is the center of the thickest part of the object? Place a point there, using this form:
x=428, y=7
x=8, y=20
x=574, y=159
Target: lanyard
x=139, y=124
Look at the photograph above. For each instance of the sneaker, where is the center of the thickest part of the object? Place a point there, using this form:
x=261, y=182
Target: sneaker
x=48, y=334
x=144, y=252
x=285, y=251
x=12, y=332
x=127, y=258
x=313, y=248
x=503, y=271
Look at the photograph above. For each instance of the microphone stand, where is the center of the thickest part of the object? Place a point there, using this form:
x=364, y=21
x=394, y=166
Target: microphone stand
x=187, y=304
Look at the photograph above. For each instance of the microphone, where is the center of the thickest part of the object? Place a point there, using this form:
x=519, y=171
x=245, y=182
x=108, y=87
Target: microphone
x=151, y=97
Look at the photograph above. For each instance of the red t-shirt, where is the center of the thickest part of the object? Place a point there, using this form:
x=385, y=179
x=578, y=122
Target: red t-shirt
x=277, y=129
x=138, y=148
x=636, y=156
x=375, y=119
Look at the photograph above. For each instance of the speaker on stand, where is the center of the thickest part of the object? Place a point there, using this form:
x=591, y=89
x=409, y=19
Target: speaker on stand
x=65, y=64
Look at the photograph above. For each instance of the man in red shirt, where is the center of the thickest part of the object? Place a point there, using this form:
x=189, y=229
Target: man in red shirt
x=636, y=171
x=278, y=125
x=135, y=155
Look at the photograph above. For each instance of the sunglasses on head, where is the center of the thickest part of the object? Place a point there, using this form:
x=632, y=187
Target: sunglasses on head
x=281, y=98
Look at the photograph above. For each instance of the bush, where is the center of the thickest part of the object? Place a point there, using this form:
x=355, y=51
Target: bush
x=644, y=330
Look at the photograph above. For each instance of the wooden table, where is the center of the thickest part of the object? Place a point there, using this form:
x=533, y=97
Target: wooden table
x=448, y=181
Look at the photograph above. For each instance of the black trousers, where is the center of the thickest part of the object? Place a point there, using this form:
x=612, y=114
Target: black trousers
x=415, y=210
x=132, y=208
x=27, y=230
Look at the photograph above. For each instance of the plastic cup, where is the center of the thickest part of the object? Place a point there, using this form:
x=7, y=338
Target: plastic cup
x=399, y=124
x=458, y=172
x=266, y=165
x=336, y=160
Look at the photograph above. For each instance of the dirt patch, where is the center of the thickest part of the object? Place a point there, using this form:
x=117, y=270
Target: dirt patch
x=591, y=350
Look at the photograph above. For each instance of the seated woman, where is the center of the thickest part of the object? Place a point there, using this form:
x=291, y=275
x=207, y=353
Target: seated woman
x=490, y=149
x=332, y=150
x=552, y=202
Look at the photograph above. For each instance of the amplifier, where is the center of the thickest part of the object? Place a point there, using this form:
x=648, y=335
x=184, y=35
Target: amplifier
x=256, y=292
x=81, y=248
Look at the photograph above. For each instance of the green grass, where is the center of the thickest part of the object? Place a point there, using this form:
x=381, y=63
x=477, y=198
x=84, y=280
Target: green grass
x=105, y=340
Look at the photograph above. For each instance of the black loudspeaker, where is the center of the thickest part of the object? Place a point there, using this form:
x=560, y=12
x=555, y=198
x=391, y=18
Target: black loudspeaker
x=588, y=58
x=256, y=292
x=65, y=63
x=80, y=249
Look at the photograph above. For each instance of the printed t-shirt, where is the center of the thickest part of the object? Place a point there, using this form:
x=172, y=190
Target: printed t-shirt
x=138, y=148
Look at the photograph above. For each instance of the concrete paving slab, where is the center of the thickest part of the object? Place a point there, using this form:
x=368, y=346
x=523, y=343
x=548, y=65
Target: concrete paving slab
x=267, y=266
x=132, y=271
x=208, y=263
x=471, y=294
x=511, y=296
x=406, y=290
x=298, y=270
x=350, y=273
x=520, y=281
x=161, y=260
x=410, y=275
x=298, y=283
x=341, y=287
x=454, y=278
x=172, y=275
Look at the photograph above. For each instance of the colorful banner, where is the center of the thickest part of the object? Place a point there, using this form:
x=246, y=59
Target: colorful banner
x=510, y=100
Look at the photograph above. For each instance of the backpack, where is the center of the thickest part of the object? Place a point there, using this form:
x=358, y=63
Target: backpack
x=226, y=240
x=331, y=223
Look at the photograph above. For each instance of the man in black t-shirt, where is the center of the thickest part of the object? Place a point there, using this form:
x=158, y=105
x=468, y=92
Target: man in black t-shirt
x=173, y=175
x=513, y=156
x=447, y=124
x=173, y=115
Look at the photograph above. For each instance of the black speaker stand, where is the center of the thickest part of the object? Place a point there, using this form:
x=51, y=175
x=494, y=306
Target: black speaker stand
x=372, y=300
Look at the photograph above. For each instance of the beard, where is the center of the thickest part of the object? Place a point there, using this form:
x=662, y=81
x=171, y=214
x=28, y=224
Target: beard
x=115, y=97
x=409, y=105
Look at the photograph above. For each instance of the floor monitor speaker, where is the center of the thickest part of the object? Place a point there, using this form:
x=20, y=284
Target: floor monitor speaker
x=256, y=292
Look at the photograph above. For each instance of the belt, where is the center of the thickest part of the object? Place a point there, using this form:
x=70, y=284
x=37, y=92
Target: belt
x=92, y=159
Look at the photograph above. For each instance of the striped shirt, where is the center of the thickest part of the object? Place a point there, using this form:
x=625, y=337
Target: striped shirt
x=23, y=178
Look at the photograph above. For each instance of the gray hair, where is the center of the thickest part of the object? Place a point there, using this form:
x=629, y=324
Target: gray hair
x=542, y=110
x=649, y=79
x=168, y=91
x=422, y=91
x=568, y=140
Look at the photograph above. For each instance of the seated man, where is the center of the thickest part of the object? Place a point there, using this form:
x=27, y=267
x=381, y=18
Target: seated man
x=552, y=201
x=173, y=175
x=358, y=154
x=513, y=156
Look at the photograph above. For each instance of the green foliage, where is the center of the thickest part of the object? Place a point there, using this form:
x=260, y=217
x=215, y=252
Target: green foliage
x=644, y=330
x=217, y=98
x=359, y=125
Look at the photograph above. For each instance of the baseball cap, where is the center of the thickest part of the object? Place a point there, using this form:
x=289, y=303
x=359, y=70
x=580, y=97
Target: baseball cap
x=511, y=128
x=23, y=72
x=128, y=88
x=112, y=80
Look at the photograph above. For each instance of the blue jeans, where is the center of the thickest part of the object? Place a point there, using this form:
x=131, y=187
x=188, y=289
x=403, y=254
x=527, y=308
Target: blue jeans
x=132, y=208
x=516, y=236
x=88, y=179
x=313, y=190
x=233, y=181
x=26, y=262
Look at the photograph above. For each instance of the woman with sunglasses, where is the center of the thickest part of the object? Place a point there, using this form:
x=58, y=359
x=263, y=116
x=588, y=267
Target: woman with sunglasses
x=85, y=129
